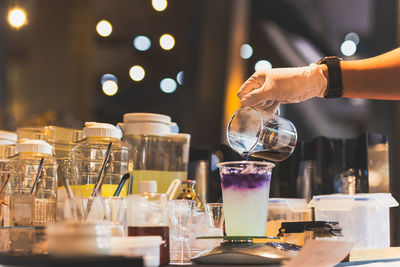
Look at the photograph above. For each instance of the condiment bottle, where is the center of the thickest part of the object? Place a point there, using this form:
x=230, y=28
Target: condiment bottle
x=189, y=192
x=24, y=168
x=88, y=156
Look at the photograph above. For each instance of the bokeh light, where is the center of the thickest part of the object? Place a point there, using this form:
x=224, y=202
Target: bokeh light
x=137, y=73
x=168, y=85
x=262, y=65
x=108, y=77
x=352, y=36
x=348, y=48
x=110, y=87
x=246, y=51
x=142, y=43
x=167, y=41
x=159, y=5
x=17, y=17
x=104, y=28
x=179, y=77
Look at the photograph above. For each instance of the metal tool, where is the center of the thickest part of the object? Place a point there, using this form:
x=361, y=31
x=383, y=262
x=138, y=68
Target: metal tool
x=103, y=171
x=38, y=175
x=121, y=184
x=130, y=188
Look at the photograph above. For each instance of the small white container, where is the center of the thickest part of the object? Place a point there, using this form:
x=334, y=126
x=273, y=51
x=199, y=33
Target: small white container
x=364, y=218
x=79, y=238
x=286, y=210
x=147, y=247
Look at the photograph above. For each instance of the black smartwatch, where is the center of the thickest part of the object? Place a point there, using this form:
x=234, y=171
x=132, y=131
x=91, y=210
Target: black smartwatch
x=335, y=84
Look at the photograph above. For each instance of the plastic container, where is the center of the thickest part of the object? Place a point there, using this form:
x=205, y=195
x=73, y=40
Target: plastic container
x=286, y=210
x=364, y=218
x=155, y=153
x=147, y=247
x=63, y=140
x=79, y=238
x=88, y=156
x=24, y=168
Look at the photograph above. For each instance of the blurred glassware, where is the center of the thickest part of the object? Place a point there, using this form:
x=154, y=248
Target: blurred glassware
x=155, y=152
x=181, y=212
x=88, y=156
x=24, y=169
x=115, y=212
x=215, y=212
x=63, y=140
x=147, y=214
x=254, y=132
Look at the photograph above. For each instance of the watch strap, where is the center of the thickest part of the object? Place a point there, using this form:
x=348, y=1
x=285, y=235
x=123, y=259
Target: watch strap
x=335, y=84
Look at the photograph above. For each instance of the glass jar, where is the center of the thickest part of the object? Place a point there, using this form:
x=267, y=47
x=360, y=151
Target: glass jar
x=155, y=153
x=88, y=156
x=39, y=207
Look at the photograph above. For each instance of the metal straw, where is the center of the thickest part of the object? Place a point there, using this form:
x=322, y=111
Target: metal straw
x=103, y=171
x=68, y=188
x=3, y=186
x=38, y=175
x=130, y=188
x=121, y=184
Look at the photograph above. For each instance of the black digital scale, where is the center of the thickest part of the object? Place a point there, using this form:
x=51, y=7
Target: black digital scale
x=235, y=250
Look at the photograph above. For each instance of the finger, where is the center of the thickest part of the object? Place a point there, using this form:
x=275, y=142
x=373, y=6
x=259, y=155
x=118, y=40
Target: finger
x=254, y=82
x=253, y=98
x=272, y=108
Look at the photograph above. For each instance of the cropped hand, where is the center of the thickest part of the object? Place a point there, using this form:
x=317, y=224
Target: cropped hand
x=268, y=88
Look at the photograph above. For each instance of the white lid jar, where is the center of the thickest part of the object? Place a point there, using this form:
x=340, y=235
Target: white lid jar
x=146, y=124
x=34, y=146
x=97, y=129
x=156, y=151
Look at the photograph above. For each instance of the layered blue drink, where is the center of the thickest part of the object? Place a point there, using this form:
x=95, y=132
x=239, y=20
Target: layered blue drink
x=245, y=192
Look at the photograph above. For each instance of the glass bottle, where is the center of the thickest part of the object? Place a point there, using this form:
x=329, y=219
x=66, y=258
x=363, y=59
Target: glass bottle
x=189, y=192
x=88, y=156
x=39, y=207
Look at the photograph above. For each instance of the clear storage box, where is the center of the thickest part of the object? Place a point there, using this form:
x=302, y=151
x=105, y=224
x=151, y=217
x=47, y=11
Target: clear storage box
x=364, y=218
x=286, y=210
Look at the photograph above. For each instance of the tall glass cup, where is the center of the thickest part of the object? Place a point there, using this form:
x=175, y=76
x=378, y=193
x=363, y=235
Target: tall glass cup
x=254, y=132
x=245, y=193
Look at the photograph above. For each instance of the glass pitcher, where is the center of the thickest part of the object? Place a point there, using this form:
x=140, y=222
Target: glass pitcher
x=254, y=132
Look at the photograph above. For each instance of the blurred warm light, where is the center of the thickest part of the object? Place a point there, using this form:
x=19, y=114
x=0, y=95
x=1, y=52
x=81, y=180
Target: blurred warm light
x=348, y=48
x=168, y=85
x=352, y=36
x=262, y=65
x=108, y=77
x=137, y=73
x=179, y=77
x=167, y=41
x=246, y=51
x=159, y=5
x=17, y=17
x=141, y=43
x=104, y=28
x=110, y=87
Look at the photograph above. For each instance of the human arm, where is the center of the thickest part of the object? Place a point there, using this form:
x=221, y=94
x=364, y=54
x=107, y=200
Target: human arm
x=376, y=78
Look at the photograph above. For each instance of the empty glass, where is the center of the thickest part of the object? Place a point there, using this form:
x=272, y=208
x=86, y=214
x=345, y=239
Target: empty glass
x=215, y=212
x=254, y=132
x=181, y=212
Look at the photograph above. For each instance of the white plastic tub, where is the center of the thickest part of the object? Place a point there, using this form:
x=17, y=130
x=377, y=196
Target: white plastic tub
x=364, y=218
x=147, y=247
